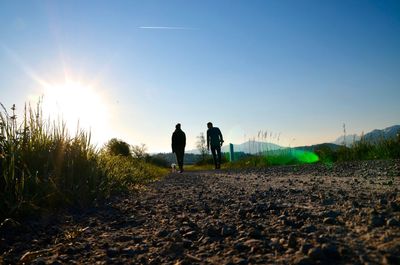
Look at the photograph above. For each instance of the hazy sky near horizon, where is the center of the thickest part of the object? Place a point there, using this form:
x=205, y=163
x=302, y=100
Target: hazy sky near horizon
x=133, y=69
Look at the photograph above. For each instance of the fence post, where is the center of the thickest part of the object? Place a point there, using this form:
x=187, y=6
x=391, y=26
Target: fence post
x=231, y=153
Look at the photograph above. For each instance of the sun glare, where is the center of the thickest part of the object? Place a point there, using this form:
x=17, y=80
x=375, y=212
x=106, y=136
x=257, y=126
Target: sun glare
x=79, y=106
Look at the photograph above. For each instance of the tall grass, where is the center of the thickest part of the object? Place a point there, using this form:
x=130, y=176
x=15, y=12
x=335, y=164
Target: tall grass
x=43, y=167
x=364, y=149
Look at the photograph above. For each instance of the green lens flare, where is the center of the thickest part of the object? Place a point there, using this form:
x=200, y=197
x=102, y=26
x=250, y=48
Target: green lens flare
x=305, y=156
x=291, y=156
x=286, y=156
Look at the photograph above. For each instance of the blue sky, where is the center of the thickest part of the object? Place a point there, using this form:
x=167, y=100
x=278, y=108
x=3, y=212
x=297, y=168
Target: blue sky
x=299, y=68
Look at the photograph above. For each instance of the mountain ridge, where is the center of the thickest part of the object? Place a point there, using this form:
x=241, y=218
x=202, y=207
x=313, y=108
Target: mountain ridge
x=254, y=147
x=372, y=136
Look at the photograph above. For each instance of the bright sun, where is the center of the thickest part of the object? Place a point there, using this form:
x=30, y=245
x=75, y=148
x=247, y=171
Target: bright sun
x=78, y=104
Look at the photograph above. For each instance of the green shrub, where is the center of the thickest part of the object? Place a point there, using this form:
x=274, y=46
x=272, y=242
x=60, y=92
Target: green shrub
x=124, y=172
x=205, y=160
x=157, y=161
x=117, y=147
x=326, y=154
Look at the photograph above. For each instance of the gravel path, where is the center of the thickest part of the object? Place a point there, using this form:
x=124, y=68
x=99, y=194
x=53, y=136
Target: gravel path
x=313, y=214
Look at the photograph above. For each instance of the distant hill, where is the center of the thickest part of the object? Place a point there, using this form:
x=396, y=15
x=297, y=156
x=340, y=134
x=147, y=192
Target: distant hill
x=372, y=136
x=349, y=139
x=252, y=147
x=249, y=147
x=387, y=133
x=314, y=147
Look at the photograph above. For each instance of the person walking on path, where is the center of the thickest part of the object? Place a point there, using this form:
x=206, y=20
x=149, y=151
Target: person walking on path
x=178, y=145
x=215, y=141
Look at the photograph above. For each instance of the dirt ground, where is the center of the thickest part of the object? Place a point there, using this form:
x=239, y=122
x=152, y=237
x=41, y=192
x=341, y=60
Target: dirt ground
x=313, y=214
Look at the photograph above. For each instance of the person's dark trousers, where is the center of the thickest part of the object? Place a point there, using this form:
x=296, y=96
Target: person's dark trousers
x=216, y=153
x=179, y=158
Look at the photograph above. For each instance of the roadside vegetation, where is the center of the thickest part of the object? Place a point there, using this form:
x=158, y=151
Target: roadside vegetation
x=43, y=168
x=383, y=148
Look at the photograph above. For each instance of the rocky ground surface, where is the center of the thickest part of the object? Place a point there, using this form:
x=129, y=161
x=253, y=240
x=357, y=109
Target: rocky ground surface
x=314, y=214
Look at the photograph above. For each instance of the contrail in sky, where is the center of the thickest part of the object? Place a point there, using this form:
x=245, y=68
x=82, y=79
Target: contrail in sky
x=175, y=28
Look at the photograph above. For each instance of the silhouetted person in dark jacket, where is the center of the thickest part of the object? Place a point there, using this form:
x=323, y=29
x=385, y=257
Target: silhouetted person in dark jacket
x=215, y=140
x=178, y=145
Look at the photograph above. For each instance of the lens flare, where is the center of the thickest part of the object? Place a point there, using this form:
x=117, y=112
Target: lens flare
x=305, y=156
x=290, y=157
